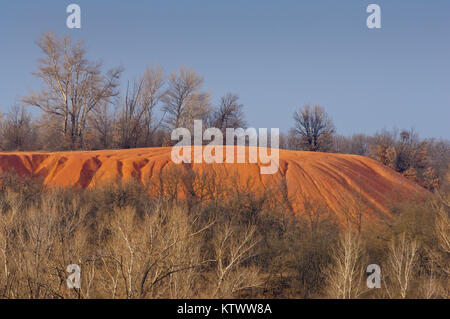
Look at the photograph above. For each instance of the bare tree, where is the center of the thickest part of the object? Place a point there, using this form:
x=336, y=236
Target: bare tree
x=355, y=144
x=136, y=122
x=74, y=86
x=314, y=127
x=183, y=101
x=401, y=263
x=229, y=113
x=103, y=123
x=315, y=214
x=154, y=81
x=17, y=129
x=441, y=255
x=353, y=208
x=232, y=249
x=345, y=274
x=153, y=256
x=411, y=152
x=443, y=231
x=293, y=141
x=430, y=287
x=50, y=132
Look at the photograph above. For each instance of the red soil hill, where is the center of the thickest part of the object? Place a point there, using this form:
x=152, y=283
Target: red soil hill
x=335, y=180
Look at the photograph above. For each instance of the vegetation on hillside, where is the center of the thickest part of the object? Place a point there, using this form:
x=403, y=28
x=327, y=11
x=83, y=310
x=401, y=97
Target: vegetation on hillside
x=215, y=243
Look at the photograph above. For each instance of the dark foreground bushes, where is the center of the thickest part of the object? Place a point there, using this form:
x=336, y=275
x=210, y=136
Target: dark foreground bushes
x=213, y=242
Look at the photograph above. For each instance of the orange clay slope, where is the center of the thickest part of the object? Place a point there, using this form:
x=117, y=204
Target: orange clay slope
x=340, y=182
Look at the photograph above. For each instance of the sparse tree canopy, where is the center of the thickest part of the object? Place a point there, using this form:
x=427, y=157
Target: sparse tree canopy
x=136, y=123
x=184, y=101
x=229, y=113
x=314, y=127
x=74, y=86
x=102, y=123
x=17, y=129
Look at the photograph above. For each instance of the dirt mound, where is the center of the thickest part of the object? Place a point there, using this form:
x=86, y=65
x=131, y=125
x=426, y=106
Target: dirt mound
x=340, y=182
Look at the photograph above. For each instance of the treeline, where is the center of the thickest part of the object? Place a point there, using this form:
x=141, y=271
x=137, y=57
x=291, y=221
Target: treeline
x=425, y=161
x=222, y=241
x=82, y=108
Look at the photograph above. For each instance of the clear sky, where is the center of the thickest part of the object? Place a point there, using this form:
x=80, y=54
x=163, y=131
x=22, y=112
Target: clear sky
x=277, y=55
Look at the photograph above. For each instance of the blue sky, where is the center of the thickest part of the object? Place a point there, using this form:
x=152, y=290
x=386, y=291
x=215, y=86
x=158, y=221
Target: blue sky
x=277, y=55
